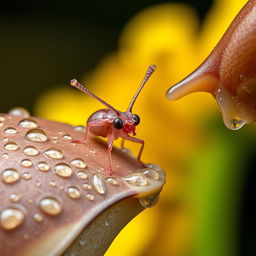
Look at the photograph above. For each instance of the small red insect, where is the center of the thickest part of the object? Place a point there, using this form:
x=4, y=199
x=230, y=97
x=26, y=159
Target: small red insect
x=112, y=123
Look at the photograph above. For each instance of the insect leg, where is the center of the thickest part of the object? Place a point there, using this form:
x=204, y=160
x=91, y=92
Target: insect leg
x=89, y=124
x=110, y=138
x=137, y=140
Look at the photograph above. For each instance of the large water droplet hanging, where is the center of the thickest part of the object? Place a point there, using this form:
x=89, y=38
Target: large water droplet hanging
x=236, y=124
x=10, y=176
x=11, y=218
x=36, y=135
x=54, y=153
x=50, y=205
x=63, y=170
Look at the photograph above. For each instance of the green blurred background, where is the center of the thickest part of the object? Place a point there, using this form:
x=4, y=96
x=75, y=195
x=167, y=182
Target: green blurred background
x=46, y=43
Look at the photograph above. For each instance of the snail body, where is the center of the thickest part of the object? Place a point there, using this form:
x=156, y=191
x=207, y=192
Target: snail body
x=229, y=72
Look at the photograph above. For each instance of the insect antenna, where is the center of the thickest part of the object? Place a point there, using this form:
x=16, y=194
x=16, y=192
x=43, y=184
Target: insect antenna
x=79, y=86
x=150, y=71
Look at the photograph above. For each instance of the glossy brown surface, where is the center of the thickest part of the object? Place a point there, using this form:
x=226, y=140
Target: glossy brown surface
x=52, y=190
x=229, y=73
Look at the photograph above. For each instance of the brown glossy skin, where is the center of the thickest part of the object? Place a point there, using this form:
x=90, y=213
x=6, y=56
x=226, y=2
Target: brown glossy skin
x=229, y=72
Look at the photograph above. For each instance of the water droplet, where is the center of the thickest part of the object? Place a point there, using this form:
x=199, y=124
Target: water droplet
x=38, y=184
x=90, y=197
x=10, y=130
x=2, y=117
x=11, y=146
x=15, y=197
x=79, y=128
x=28, y=123
x=5, y=156
x=136, y=179
x=152, y=174
x=52, y=183
x=93, y=151
x=155, y=167
x=38, y=217
x=1, y=124
x=81, y=175
x=112, y=181
x=26, y=163
x=11, y=218
x=149, y=201
x=67, y=137
x=36, y=135
x=99, y=184
x=19, y=112
x=79, y=163
x=10, y=176
x=236, y=124
x=50, y=205
x=30, y=151
x=86, y=186
x=26, y=176
x=53, y=153
x=63, y=170
x=43, y=166
x=30, y=201
x=73, y=192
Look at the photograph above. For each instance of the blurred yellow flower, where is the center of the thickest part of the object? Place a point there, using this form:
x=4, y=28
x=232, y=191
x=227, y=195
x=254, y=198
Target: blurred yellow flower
x=165, y=35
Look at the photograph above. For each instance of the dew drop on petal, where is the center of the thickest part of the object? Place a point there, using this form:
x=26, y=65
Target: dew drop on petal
x=50, y=206
x=5, y=156
x=73, y=192
x=14, y=197
x=90, y=197
x=112, y=181
x=30, y=151
x=2, y=117
x=28, y=123
x=63, y=170
x=36, y=135
x=81, y=175
x=152, y=174
x=43, y=167
x=86, y=186
x=19, y=112
x=10, y=130
x=26, y=176
x=236, y=124
x=11, y=218
x=136, y=179
x=26, y=163
x=10, y=176
x=11, y=146
x=67, y=137
x=79, y=128
x=99, y=184
x=38, y=217
x=54, y=153
x=79, y=163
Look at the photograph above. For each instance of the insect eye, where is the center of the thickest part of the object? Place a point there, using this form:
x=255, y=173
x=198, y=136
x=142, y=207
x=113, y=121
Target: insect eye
x=118, y=123
x=136, y=118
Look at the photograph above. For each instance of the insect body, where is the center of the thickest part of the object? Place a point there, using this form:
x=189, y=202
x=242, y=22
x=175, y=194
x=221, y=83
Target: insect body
x=112, y=123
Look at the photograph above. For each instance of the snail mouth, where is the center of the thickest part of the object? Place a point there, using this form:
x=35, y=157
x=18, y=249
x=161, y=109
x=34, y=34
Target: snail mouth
x=129, y=129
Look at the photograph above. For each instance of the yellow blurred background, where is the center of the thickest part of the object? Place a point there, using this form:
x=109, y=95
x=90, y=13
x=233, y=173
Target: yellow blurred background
x=206, y=207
